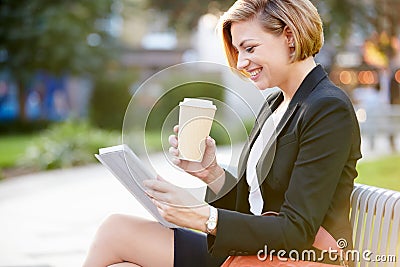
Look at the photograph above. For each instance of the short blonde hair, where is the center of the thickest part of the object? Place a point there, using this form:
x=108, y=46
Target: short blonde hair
x=300, y=16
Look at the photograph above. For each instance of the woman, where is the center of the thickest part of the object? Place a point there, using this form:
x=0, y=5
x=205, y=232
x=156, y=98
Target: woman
x=309, y=183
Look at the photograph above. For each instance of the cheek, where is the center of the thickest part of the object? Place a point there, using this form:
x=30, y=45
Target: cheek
x=278, y=64
x=272, y=76
x=279, y=54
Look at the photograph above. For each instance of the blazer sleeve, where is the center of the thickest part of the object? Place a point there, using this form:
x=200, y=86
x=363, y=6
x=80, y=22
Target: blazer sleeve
x=324, y=142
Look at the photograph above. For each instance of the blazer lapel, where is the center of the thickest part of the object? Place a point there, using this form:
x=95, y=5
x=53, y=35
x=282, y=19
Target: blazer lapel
x=265, y=112
x=265, y=162
x=310, y=82
x=306, y=87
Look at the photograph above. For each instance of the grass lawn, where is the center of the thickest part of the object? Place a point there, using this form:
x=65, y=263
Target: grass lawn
x=383, y=172
x=12, y=147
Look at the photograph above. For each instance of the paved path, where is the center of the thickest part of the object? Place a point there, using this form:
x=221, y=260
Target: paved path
x=48, y=219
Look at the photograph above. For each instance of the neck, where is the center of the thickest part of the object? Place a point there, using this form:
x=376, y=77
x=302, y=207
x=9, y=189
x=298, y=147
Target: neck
x=298, y=72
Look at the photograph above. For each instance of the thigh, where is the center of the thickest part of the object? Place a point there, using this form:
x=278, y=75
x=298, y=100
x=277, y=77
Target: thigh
x=190, y=250
x=143, y=242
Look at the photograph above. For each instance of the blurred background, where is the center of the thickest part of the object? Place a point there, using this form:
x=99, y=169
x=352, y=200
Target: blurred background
x=68, y=70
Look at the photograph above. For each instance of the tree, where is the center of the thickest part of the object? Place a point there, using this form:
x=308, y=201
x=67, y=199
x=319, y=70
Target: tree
x=340, y=18
x=184, y=14
x=53, y=36
x=382, y=17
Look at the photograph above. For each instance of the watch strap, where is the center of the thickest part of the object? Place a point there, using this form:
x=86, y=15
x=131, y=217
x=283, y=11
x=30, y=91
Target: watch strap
x=211, y=223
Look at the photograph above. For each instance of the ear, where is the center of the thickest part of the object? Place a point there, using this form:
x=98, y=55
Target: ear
x=287, y=32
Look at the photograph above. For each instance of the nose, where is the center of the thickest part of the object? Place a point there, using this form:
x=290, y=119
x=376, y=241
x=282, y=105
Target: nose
x=242, y=62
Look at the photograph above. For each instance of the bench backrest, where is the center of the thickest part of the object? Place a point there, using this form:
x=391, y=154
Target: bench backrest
x=375, y=217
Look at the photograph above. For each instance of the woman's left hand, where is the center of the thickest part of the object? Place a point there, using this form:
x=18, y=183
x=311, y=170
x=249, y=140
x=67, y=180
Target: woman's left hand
x=177, y=205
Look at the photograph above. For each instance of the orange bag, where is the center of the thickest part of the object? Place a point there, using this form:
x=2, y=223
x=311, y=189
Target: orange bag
x=323, y=241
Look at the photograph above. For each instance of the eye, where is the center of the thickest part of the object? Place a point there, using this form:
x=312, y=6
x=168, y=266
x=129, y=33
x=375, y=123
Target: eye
x=250, y=49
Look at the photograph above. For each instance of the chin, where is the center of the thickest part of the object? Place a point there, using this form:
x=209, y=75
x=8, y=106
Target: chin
x=261, y=86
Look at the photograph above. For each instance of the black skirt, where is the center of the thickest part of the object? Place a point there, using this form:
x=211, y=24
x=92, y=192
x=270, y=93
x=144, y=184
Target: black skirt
x=190, y=250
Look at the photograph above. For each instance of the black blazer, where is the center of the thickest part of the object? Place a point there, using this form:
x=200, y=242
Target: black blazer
x=307, y=177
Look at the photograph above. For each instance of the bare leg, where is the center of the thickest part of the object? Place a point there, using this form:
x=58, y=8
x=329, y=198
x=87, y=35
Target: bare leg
x=124, y=264
x=131, y=240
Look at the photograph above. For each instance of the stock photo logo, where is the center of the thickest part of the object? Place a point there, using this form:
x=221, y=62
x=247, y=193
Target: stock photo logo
x=203, y=98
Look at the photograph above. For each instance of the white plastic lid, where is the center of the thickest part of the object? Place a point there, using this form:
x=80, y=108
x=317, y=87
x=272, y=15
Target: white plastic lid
x=197, y=102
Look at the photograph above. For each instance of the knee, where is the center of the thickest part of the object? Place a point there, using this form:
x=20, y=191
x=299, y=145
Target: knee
x=114, y=220
x=111, y=227
x=117, y=228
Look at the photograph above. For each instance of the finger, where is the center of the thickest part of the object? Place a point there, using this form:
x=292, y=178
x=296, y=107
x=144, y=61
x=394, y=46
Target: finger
x=176, y=129
x=177, y=162
x=157, y=185
x=161, y=179
x=162, y=209
x=173, y=151
x=184, y=164
x=158, y=205
x=210, y=142
x=211, y=147
x=173, y=140
x=157, y=196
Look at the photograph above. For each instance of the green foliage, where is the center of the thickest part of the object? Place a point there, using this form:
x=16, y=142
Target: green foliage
x=12, y=148
x=67, y=144
x=336, y=14
x=171, y=100
x=223, y=138
x=173, y=95
x=59, y=37
x=52, y=35
x=110, y=99
x=184, y=14
x=338, y=17
x=22, y=127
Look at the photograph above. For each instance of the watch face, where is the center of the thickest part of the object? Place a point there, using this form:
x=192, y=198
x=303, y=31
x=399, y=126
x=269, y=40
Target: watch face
x=211, y=225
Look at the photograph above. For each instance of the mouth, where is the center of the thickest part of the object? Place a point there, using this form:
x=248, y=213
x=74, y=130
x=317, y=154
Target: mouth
x=254, y=74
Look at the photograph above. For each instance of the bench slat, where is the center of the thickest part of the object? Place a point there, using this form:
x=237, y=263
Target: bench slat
x=375, y=217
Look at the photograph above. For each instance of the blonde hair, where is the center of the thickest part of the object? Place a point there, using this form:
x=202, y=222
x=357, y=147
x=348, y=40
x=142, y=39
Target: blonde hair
x=300, y=16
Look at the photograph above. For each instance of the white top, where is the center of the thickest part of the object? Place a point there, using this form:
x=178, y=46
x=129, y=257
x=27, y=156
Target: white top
x=267, y=132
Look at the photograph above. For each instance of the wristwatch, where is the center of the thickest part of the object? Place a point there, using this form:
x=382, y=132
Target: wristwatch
x=211, y=223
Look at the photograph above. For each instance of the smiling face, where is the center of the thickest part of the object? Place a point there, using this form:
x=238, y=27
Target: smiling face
x=265, y=57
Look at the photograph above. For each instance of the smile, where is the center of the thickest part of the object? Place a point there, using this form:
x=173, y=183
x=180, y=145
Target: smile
x=254, y=73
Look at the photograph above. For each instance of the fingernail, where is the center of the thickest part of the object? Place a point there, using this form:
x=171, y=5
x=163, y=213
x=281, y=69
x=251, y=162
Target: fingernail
x=210, y=139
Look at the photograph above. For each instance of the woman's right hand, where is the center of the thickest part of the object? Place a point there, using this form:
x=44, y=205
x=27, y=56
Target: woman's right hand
x=207, y=170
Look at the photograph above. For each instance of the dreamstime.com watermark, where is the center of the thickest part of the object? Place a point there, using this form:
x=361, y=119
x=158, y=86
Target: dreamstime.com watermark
x=331, y=254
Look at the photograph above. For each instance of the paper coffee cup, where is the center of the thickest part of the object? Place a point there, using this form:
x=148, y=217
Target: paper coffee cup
x=195, y=121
